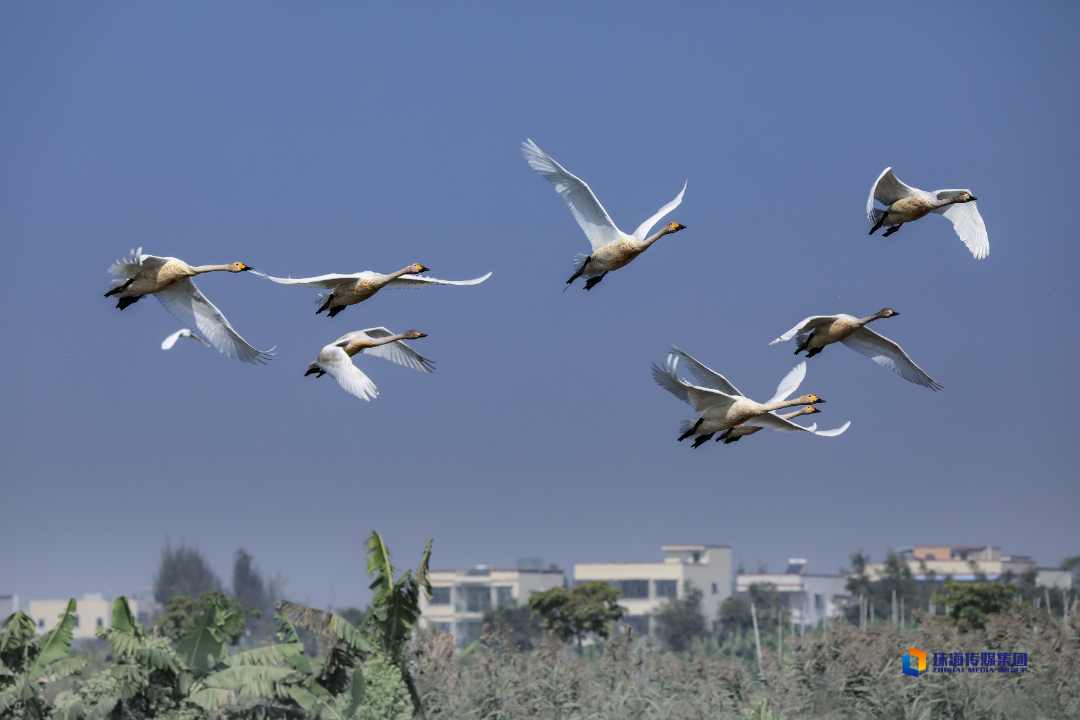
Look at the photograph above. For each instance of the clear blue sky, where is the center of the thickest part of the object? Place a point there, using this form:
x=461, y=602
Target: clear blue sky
x=309, y=138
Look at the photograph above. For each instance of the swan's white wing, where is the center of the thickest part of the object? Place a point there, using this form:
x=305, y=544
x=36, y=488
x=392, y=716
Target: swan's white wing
x=188, y=305
x=590, y=214
x=646, y=226
x=888, y=354
x=790, y=383
x=775, y=422
x=329, y=282
x=168, y=342
x=835, y=431
x=887, y=189
x=337, y=364
x=967, y=222
x=805, y=326
x=700, y=398
x=135, y=262
x=706, y=376
x=418, y=281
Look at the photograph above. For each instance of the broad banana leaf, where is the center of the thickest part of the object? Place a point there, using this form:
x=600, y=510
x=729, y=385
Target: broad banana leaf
x=125, y=634
x=357, y=692
x=202, y=647
x=56, y=643
x=327, y=624
x=268, y=655
x=60, y=668
x=18, y=629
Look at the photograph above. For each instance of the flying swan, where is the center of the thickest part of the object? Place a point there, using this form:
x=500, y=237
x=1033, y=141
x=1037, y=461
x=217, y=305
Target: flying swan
x=611, y=247
x=169, y=280
x=906, y=204
x=336, y=358
x=817, y=331
x=346, y=290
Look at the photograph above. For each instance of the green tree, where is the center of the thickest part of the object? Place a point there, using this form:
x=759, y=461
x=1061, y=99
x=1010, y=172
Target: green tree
x=1072, y=564
x=520, y=621
x=589, y=608
x=251, y=590
x=735, y=628
x=970, y=603
x=28, y=663
x=183, y=572
x=182, y=613
x=680, y=620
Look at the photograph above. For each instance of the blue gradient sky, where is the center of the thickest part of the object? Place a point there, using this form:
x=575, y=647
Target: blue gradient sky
x=336, y=137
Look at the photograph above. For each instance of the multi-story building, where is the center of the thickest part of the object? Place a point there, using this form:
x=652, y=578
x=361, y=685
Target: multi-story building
x=810, y=598
x=965, y=563
x=646, y=586
x=8, y=605
x=459, y=598
x=92, y=612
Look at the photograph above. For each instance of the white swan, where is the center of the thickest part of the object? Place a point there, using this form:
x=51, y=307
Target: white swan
x=817, y=331
x=789, y=384
x=169, y=280
x=336, y=358
x=168, y=342
x=612, y=248
x=907, y=204
x=722, y=406
x=348, y=290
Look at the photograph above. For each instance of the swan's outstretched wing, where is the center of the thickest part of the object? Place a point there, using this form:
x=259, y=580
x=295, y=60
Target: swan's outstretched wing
x=188, y=305
x=805, y=326
x=418, y=281
x=834, y=432
x=645, y=227
x=887, y=189
x=700, y=398
x=335, y=362
x=168, y=342
x=396, y=352
x=888, y=354
x=706, y=376
x=590, y=214
x=967, y=222
x=135, y=262
x=775, y=422
x=329, y=282
x=790, y=383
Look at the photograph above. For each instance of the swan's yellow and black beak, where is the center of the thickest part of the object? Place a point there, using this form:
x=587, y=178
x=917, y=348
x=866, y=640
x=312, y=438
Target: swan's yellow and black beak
x=676, y=227
x=244, y=268
x=813, y=410
x=422, y=269
x=973, y=199
x=815, y=399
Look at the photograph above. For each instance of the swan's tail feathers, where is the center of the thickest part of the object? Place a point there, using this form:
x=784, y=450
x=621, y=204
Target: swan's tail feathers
x=685, y=425
x=320, y=299
x=875, y=215
x=579, y=261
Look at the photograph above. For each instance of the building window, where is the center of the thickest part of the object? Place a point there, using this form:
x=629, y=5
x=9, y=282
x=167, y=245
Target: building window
x=715, y=589
x=930, y=556
x=632, y=589
x=477, y=598
x=504, y=595
x=697, y=557
x=819, y=603
x=100, y=622
x=440, y=596
x=667, y=588
x=444, y=628
x=41, y=623
x=639, y=624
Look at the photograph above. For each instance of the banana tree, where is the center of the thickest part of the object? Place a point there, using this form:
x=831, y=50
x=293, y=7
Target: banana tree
x=27, y=663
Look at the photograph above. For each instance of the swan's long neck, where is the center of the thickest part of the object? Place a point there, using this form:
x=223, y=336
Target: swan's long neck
x=806, y=410
x=870, y=318
x=780, y=404
x=385, y=340
x=649, y=241
x=399, y=273
x=200, y=269
x=353, y=348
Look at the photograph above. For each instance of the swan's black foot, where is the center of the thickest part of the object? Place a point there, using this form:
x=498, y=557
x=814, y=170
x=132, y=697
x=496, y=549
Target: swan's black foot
x=313, y=370
x=880, y=222
x=702, y=439
x=119, y=288
x=591, y=282
x=813, y=352
x=891, y=230
x=693, y=428
x=729, y=440
x=131, y=300
x=335, y=310
x=325, y=305
x=802, y=347
x=581, y=270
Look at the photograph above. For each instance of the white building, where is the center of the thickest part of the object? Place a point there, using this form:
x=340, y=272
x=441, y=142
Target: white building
x=646, y=586
x=810, y=598
x=459, y=598
x=9, y=604
x=92, y=612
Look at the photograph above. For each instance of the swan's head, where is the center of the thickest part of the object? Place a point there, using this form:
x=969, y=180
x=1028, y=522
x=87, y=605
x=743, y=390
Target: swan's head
x=887, y=312
x=418, y=268
x=809, y=399
x=239, y=267
x=673, y=227
x=964, y=197
x=810, y=409
x=413, y=334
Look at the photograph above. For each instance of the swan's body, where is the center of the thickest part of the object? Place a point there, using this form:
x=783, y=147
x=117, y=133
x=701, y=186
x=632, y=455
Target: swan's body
x=721, y=405
x=904, y=204
x=817, y=331
x=169, y=280
x=611, y=247
x=348, y=290
x=168, y=342
x=336, y=358
x=788, y=385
